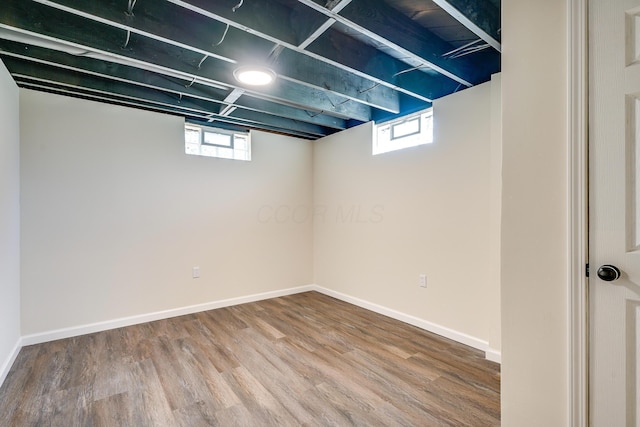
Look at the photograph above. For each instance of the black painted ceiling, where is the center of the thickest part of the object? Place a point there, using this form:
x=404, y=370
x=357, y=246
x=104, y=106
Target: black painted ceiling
x=339, y=62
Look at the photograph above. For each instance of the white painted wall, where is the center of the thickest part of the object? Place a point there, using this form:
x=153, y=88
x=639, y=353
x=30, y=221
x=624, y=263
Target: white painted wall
x=382, y=220
x=101, y=239
x=9, y=220
x=534, y=216
x=115, y=215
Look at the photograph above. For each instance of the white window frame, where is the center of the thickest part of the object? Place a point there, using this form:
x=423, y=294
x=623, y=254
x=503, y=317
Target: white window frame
x=385, y=139
x=224, y=151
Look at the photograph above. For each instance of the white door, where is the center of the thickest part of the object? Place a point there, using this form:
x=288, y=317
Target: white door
x=614, y=133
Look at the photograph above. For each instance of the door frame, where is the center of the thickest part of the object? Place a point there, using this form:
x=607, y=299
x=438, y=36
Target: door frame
x=577, y=209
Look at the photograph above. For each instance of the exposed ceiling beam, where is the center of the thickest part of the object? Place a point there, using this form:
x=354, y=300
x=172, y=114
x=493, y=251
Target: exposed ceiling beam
x=333, y=5
x=339, y=62
x=107, y=42
x=228, y=101
x=109, y=13
x=102, y=87
x=337, y=5
x=424, y=85
x=200, y=36
x=265, y=19
x=316, y=118
x=369, y=17
x=79, y=93
x=317, y=33
x=383, y=74
x=226, y=123
x=480, y=17
x=136, y=76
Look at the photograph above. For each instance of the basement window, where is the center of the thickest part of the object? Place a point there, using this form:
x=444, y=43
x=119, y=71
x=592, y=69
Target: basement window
x=214, y=142
x=409, y=131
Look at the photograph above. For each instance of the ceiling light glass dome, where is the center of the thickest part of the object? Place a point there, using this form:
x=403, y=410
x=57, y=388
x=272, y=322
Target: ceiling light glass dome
x=254, y=76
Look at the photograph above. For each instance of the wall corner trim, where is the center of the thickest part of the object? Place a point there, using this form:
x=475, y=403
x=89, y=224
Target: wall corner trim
x=6, y=366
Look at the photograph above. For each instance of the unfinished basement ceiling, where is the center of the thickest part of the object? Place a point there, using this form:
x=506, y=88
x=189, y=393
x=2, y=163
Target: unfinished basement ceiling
x=339, y=63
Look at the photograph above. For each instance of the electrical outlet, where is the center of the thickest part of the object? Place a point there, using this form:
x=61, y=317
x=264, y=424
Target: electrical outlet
x=422, y=280
x=195, y=272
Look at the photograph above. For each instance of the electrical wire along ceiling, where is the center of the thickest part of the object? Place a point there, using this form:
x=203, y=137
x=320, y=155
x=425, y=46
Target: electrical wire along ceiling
x=327, y=65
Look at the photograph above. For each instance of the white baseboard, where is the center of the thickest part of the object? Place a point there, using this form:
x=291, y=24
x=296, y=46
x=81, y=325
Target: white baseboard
x=490, y=354
x=158, y=315
x=6, y=366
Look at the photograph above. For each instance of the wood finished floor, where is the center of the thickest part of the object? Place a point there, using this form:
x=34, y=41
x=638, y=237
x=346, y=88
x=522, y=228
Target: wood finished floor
x=304, y=359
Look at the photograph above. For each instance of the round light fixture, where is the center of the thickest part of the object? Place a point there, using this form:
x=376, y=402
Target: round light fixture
x=254, y=76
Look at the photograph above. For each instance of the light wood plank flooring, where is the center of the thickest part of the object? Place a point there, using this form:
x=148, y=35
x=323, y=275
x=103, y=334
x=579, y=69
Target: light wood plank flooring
x=304, y=359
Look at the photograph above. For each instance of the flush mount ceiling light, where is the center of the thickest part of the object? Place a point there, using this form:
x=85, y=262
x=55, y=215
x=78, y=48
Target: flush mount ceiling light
x=254, y=76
